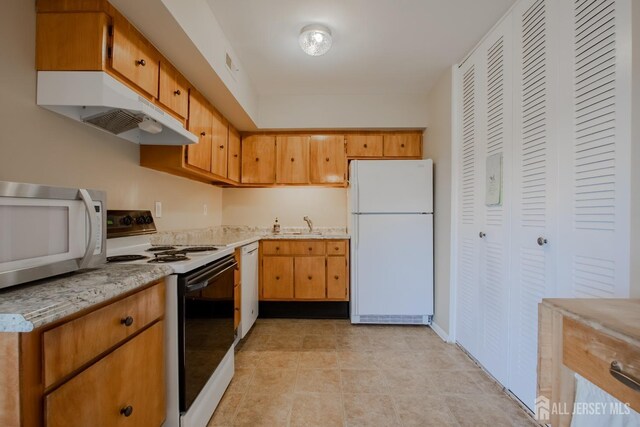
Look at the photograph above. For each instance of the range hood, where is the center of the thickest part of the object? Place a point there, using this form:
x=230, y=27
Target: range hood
x=96, y=98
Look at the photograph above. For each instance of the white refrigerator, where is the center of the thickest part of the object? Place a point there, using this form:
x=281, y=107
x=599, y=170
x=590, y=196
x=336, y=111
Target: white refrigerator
x=391, y=204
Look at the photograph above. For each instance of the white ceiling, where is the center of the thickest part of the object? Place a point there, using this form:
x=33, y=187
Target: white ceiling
x=380, y=46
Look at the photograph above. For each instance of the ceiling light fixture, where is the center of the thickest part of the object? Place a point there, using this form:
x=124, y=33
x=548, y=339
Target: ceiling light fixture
x=315, y=39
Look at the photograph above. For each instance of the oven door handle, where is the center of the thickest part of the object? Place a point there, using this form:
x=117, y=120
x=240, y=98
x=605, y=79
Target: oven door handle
x=203, y=284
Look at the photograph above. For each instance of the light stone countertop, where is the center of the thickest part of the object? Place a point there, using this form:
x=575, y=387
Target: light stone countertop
x=241, y=235
x=26, y=307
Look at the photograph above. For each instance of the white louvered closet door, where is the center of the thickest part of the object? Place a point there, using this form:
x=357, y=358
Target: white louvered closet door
x=594, y=148
x=534, y=189
x=467, y=309
x=496, y=133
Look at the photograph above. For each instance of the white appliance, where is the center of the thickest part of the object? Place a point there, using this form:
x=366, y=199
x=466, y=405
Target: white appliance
x=249, y=288
x=48, y=231
x=391, y=241
x=96, y=98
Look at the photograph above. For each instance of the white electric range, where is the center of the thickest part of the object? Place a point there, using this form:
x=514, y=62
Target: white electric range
x=199, y=315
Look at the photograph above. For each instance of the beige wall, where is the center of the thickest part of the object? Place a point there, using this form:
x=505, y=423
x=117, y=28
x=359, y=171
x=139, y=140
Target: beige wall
x=635, y=152
x=327, y=207
x=437, y=146
x=39, y=146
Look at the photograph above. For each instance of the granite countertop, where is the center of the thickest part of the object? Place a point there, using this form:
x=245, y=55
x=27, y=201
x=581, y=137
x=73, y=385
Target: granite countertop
x=241, y=235
x=26, y=307
x=618, y=317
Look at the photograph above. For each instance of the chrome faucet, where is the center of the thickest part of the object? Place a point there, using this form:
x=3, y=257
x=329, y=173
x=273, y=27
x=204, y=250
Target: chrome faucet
x=309, y=223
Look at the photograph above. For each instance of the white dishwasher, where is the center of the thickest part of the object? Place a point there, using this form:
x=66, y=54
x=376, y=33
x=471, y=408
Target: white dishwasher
x=248, y=288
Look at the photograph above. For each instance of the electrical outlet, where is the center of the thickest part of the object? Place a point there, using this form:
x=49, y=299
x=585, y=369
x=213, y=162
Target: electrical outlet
x=204, y=209
x=158, y=209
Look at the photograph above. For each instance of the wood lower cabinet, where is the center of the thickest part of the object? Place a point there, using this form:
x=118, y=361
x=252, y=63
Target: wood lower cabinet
x=103, y=367
x=327, y=159
x=304, y=270
x=292, y=159
x=367, y=145
x=123, y=388
x=259, y=160
x=234, y=153
x=402, y=145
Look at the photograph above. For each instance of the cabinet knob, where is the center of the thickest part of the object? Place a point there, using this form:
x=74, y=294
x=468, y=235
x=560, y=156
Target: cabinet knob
x=542, y=241
x=127, y=321
x=292, y=159
x=327, y=159
x=277, y=277
x=203, y=133
x=277, y=248
x=127, y=411
x=402, y=145
x=365, y=145
x=257, y=159
x=310, y=249
x=222, y=147
x=235, y=155
x=309, y=277
x=141, y=62
x=482, y=234
x=337, y=248
x=336, y=277
x=177, y=92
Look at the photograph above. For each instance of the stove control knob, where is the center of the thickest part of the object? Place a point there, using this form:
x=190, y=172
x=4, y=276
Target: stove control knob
x=148, y=219
x=127, y=220
x=140, y=220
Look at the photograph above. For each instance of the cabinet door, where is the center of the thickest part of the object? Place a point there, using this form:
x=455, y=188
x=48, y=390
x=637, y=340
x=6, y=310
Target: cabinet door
x=364, y=146
x=233, y=169
x=327, y=159
x=199, y=155
x=174, y=90
x=403, y=145
x=277, y=277
x=337, y=274
x=98, y=395
x=134, y=57
x=310, y=280
x=219, y=135
x=259, y=160
x=292, y=159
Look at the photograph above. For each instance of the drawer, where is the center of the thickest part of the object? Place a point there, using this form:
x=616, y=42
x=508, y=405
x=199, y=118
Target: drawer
x=307, y=248
x=129, y=379
x=337, y=247
x=589, y=352
x=276, y=247
x=364, y=145
x=75, y=343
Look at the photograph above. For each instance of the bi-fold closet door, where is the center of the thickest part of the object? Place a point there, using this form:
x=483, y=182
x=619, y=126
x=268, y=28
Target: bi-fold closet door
x=563, y=227
x=485, y=97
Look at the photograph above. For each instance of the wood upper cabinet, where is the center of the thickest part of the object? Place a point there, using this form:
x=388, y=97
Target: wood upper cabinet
x=403, y=145
x=233, y=168
x=71, y=41
x=118, y=383
x=364, y=145
x=174, y=90
x=327, y=159
x=200, y=123
x=134, y=57
x=277, y=277
x=259, y=160
x=219, y=142
x=292, y=165
x=309, y=277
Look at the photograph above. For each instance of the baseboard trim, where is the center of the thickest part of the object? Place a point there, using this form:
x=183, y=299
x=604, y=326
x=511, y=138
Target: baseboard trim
x=441, y=333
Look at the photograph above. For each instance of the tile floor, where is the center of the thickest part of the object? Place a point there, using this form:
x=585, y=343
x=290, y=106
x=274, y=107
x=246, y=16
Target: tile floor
x=331, y=373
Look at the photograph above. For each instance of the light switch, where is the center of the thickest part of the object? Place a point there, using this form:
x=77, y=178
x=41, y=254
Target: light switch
x=158, y=209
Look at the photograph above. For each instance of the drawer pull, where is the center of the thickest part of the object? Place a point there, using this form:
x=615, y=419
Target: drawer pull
x=141, y=62
x=337, y=248
x=627, y=379
x=127, y=321
x=277, y=248
x=127, y=411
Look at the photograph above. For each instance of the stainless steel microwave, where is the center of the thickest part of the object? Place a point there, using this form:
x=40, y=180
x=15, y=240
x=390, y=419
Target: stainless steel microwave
x=46, y=231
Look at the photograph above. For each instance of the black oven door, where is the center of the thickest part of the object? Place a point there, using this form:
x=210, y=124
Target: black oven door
x=206, y=329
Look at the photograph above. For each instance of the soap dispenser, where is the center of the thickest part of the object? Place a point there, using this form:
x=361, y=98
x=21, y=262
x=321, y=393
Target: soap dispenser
x=276, y=227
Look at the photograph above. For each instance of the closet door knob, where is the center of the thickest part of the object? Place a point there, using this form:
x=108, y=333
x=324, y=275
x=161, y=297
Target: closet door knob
x=482, y=234
x=542, y=241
